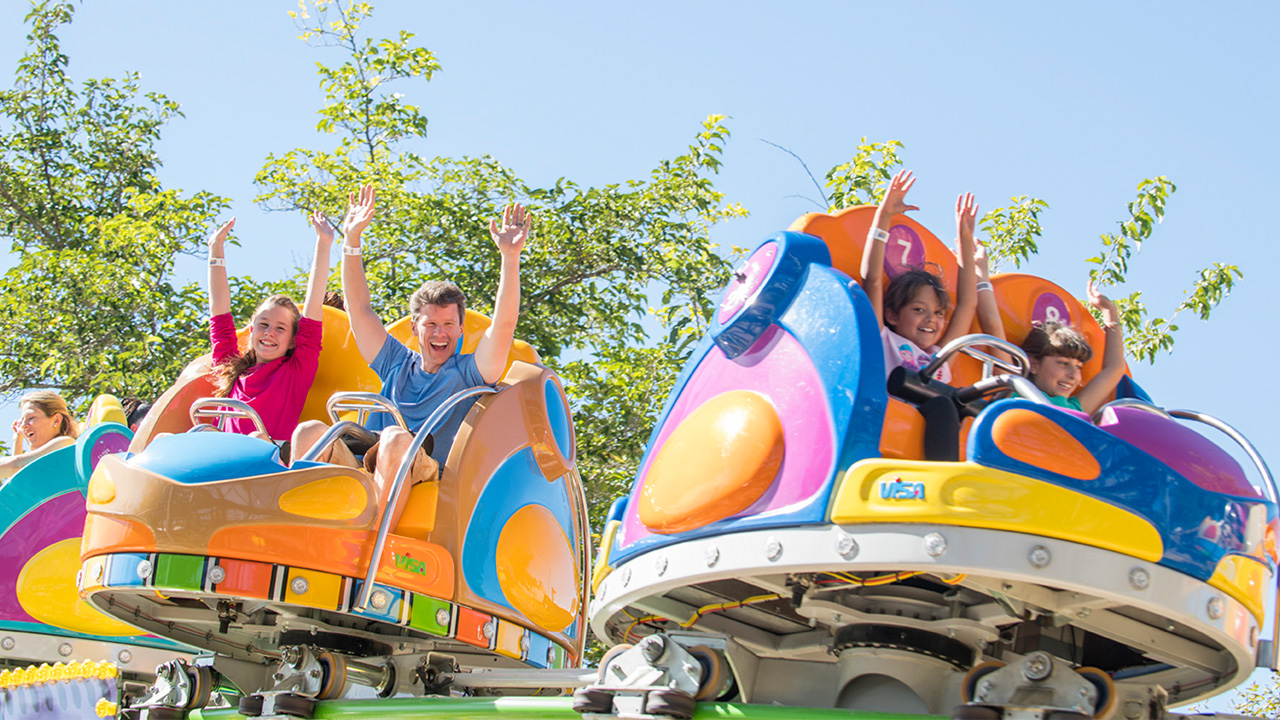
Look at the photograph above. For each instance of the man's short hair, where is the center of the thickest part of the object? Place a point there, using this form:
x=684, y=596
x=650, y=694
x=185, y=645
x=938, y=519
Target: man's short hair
x=438, y=292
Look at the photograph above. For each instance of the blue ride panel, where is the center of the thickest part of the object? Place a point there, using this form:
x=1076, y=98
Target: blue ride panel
x=203, y=457
x=1198, y=527
x=803, y=335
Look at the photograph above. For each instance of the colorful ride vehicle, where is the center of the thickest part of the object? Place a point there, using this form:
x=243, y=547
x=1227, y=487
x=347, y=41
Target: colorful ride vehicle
x=209, y=538
x=43, y=620
x=784, y=512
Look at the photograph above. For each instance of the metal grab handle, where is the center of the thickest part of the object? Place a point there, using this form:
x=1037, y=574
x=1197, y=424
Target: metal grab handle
x=402, y=473
x=1134, y=403
x=965, y=343
x=225, y=408
x=1268, y=482
x=364, y=403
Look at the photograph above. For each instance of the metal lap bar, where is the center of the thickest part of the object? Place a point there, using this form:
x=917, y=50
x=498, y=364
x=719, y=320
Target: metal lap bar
x=363, y=403
x=397, y=486
x=217, y=407
x=965, y=342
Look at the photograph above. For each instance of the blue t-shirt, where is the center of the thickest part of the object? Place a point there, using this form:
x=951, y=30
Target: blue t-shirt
x=418, y=393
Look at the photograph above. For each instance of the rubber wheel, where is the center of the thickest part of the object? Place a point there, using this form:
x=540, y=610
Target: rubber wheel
x=714, y=669
x=608, y=656
x=201, y=687
x=335, y=675
x=250, y=705
x=1067, y=715
x=1106, y=690
x=670, y=702
x=975, y=712
x=972, y=677
x=588, y=700
x=295, y=705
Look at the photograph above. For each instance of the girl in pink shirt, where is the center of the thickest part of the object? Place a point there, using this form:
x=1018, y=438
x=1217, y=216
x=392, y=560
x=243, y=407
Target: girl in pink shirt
x=274, y=374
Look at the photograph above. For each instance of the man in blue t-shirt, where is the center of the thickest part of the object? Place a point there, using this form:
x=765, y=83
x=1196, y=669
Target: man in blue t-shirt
x=418, y=382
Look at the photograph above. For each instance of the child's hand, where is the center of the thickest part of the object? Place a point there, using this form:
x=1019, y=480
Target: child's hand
x=360, y=211
x=894, y=201
x=18, y=438
x=219, y=237
x=514, y=231
x=324, y=230
x=966, y=215
x=980, y=261
x=1110, y=313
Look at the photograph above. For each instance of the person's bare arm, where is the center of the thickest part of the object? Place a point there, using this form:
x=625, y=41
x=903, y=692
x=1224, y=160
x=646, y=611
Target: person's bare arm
x=319, y=278
x=989, y=319
x=966, y=278
x=1095, y=394
x=495, y=344
x=219, y=291
x=366, y=326
x=9, y=466
x=872, y=269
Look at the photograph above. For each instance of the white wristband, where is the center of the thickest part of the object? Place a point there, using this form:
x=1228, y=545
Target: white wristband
x=217, y=262
x=878, y=235
x=984, y=285
x=348, y=250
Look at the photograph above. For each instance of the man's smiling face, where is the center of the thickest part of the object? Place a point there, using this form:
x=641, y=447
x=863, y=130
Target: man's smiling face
x=439, y=328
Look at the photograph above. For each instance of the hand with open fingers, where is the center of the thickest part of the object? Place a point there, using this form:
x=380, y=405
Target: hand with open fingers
x=510, y=236
x=360, y=210
x=894, y=201
x=219, y=237
x=1110, y=313
x=966, y=215
x=320, y=223
x=981, y=262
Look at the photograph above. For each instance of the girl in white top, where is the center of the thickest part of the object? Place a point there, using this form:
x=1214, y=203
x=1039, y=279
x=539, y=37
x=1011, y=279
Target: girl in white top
x=912, y=310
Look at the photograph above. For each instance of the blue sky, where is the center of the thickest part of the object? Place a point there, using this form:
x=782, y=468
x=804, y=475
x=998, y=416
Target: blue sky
x=1074, y=103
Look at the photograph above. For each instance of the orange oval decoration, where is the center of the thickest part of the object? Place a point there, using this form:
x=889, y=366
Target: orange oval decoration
x=536, y=568
x=717, y=462
x=1034, y=439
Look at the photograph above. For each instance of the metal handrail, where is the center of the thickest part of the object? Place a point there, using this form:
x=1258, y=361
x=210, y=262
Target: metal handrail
x=397, y=485
x=337, y=430
x=966, y=342
x=208, y=407
x=1269, y=482
x=1134, y=403
x=365, y=404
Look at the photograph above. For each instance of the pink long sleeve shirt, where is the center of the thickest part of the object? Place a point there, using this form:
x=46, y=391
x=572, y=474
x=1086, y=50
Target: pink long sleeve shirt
x=277, y=390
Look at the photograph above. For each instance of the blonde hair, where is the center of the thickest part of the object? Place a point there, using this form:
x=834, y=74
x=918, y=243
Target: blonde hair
x=231, y=370
x=51, y=403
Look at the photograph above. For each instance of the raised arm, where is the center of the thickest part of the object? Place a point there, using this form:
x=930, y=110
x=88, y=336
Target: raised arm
x=311, y=307
x=366, y=326
x=989, y=319
x=1095, y=394
x=495, y=344
x=894, y=203
x=219, y=292
x=966, y=278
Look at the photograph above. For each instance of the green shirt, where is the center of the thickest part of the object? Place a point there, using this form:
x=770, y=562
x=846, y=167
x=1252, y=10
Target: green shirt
x=1069, y=403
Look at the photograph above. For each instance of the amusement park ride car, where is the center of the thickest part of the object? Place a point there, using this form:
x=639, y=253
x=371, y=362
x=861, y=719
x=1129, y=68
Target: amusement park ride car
x=786, y=550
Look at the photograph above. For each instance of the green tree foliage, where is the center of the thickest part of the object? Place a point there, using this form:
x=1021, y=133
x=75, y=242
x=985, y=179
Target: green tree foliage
x=1146, y=336
x=91, y=305
x=605, y=266
x=1012, y=237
